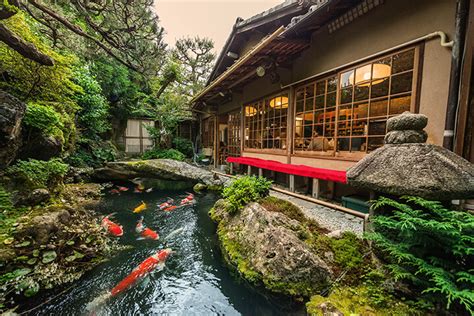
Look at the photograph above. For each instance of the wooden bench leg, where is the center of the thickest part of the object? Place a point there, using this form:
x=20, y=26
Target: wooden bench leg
x=249, y=170
x=292, y=183
x=260, y=172
x=315, y=188
x=231, y=167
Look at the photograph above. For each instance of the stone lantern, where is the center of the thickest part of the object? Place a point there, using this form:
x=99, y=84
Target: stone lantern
x=406, y=165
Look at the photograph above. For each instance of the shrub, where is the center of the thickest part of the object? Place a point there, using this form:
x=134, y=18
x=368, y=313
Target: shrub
x=430, y=246
x=39, y=174
x=163, y=154
x=245, y=190
x=183, y=145
x=45, y=119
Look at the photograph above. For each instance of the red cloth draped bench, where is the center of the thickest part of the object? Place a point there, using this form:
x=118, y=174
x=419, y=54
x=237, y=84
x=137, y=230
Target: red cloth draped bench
x=297, y=170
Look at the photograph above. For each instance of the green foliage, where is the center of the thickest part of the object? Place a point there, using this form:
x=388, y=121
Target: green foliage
x=164, y=154
x=29, y=80
x=5, y=200
x=38, y=174
x=45, y=119
x=430, y=246
x=183, y=145
x=245, y=190
x=93, y=117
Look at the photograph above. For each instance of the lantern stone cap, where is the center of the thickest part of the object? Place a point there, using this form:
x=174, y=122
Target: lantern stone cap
x=406, y=165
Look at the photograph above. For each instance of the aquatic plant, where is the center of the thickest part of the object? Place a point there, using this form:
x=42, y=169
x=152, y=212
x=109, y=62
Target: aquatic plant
x=245, y=190
x=429, y=246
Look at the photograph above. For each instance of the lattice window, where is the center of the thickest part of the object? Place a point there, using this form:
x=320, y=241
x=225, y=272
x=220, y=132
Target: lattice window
x=233, y=141
x=266, y=123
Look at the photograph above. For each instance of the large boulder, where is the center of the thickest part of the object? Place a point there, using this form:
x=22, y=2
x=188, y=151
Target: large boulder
x=265, y=249
x=12, y=112
x=165, y=169
x=41, y=147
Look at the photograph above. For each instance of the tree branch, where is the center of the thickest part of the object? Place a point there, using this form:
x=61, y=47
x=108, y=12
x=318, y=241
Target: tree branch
x=76, y=29
x=25, y=49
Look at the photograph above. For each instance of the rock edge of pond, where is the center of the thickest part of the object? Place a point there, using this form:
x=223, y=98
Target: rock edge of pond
x=53, y=245
x=161, y=173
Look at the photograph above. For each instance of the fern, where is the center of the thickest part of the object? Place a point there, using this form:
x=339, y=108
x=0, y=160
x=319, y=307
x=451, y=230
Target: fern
x=428, y=245
x=5, y=200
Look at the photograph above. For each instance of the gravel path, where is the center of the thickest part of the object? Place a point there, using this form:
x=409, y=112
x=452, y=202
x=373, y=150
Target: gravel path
x=325, y=216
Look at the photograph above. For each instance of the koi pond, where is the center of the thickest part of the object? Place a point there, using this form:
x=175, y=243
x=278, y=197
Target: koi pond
x=195, y=280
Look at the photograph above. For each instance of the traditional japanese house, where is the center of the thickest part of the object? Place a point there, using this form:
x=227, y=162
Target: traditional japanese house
x=303, y=91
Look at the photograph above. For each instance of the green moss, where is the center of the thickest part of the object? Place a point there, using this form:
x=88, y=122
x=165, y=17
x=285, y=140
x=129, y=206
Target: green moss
x=360, y=301
x=234, y=256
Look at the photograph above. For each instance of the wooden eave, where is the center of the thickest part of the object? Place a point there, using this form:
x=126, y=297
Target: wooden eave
x=243, y=70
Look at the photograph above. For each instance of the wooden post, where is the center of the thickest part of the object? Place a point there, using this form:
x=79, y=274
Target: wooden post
x=331, y=187
x=231, y=166
x=315, y=188
x=249, y=170
x=290, y=132
x=292, y=183
x=260, y=172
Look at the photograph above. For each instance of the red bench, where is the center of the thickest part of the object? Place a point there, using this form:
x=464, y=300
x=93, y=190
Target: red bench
x=297, y=170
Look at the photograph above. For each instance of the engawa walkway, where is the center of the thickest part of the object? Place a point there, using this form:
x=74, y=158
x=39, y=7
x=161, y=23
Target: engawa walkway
x=325, y=216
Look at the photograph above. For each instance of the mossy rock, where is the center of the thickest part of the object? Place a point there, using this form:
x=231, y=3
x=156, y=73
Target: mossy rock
x=266, y=250
x=361, y=300
x=198, y=187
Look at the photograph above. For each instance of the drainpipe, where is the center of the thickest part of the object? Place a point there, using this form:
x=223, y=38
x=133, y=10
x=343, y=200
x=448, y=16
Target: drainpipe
x=462, y=9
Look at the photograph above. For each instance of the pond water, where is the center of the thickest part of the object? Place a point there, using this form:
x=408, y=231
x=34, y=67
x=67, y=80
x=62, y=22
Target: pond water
x=195, y=280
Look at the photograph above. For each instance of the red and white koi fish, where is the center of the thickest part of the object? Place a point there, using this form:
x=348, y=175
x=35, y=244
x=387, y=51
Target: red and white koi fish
x=122, y=189
x=114, y=191
x=149, y=190
x=149, y=264
x=188, y=200
x=111, y=227
x=166, y=204
x=146, y=232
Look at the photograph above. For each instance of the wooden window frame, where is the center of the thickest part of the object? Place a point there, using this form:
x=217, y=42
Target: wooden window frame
x=259, y=124
x=354, y=156
x=234, y=132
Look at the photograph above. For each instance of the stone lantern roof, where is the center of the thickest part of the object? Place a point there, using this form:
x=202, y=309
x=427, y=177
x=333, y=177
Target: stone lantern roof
x=406, y=165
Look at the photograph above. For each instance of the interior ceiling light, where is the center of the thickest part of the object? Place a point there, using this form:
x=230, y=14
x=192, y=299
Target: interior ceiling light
x=250, y=111
x=279, y=102
x=365, y=74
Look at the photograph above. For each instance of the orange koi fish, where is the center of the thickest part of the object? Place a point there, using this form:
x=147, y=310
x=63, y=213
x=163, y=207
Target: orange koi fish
x=149, y=264
x=140, y=208
x=171, y=208
x=166, y=204
x=111, y=227
x=143, y=269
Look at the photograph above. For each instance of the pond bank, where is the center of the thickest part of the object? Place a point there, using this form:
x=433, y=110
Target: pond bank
x=49, y=245
x=273, y=243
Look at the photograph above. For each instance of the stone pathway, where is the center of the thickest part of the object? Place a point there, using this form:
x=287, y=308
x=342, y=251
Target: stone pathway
x=325, y=216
